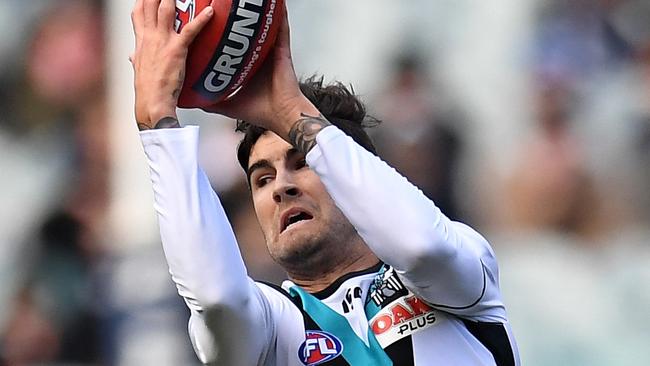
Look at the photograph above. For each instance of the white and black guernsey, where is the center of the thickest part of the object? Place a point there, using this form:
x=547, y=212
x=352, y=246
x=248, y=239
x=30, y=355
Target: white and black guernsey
x=434, y=299
x=396, y=318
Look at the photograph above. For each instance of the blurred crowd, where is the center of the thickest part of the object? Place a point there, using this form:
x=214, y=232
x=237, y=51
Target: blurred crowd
x=55, y=190
x=584, y=167
x=568, y=216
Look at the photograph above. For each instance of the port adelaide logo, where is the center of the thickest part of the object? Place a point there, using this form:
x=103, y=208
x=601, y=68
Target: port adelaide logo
x=319, y=347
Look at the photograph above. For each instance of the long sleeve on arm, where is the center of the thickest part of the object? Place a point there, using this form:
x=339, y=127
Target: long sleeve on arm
x=202, y=254
x=446, y=263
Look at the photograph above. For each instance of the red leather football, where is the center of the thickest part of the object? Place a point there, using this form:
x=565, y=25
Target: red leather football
x=229, y=50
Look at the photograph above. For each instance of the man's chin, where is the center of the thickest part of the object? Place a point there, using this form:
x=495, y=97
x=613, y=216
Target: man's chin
x=296, y=248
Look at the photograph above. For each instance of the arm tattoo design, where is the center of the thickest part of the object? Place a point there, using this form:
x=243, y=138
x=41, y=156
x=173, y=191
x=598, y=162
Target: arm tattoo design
x=303, y=133
x=166, y=122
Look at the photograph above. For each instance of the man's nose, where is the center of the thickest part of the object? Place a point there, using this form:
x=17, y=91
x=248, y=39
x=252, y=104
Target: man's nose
x=285, y=188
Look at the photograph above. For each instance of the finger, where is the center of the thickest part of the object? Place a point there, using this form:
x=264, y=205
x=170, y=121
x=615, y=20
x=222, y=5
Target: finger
x=151, y=12
x=192, y=29
x=166, y=14
x=284, y=33
x=282, y=49
x=137, y=19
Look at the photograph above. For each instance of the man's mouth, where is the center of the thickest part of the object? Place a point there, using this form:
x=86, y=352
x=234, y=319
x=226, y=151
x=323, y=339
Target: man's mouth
x=293, y=216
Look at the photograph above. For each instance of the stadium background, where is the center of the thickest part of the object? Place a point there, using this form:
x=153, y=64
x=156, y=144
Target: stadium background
x=529, y=119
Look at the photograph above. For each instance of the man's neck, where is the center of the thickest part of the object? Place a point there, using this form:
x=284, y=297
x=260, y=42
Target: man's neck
x=313, y=283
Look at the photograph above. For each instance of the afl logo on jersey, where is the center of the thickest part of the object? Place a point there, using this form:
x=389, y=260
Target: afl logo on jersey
x=319, y=347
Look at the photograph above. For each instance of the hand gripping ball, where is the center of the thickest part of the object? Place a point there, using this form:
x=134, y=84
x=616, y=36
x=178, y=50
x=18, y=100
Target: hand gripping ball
x=229, y=50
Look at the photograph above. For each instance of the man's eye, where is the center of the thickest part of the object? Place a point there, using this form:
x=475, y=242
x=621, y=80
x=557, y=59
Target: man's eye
x=263, y=180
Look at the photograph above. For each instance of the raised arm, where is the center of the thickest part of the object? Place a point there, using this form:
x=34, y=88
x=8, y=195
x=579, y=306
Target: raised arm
x=230, y=321
x=227, y=311
x=445, y=262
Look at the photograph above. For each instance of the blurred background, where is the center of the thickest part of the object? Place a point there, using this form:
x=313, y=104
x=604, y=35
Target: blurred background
x=528, y=119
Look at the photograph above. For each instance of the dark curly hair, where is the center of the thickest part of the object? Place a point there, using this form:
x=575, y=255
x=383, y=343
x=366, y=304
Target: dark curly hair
x=336, y=102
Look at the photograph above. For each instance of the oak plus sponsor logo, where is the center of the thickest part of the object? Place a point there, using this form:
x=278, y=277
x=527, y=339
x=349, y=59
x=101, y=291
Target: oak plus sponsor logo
x=319, y=347
x=401, y=318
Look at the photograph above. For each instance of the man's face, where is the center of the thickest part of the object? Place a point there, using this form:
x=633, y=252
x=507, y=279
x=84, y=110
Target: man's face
x=298, y=217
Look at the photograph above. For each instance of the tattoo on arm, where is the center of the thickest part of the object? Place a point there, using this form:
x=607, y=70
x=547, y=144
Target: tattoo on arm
x=303, y=133
x=166, y=122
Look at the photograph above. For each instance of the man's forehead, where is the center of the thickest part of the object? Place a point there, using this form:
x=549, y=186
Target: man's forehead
x=270, y=147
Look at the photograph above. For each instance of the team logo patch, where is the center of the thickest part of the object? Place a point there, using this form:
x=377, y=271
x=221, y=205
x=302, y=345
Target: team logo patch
x=319, y=347
x=386, y=288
